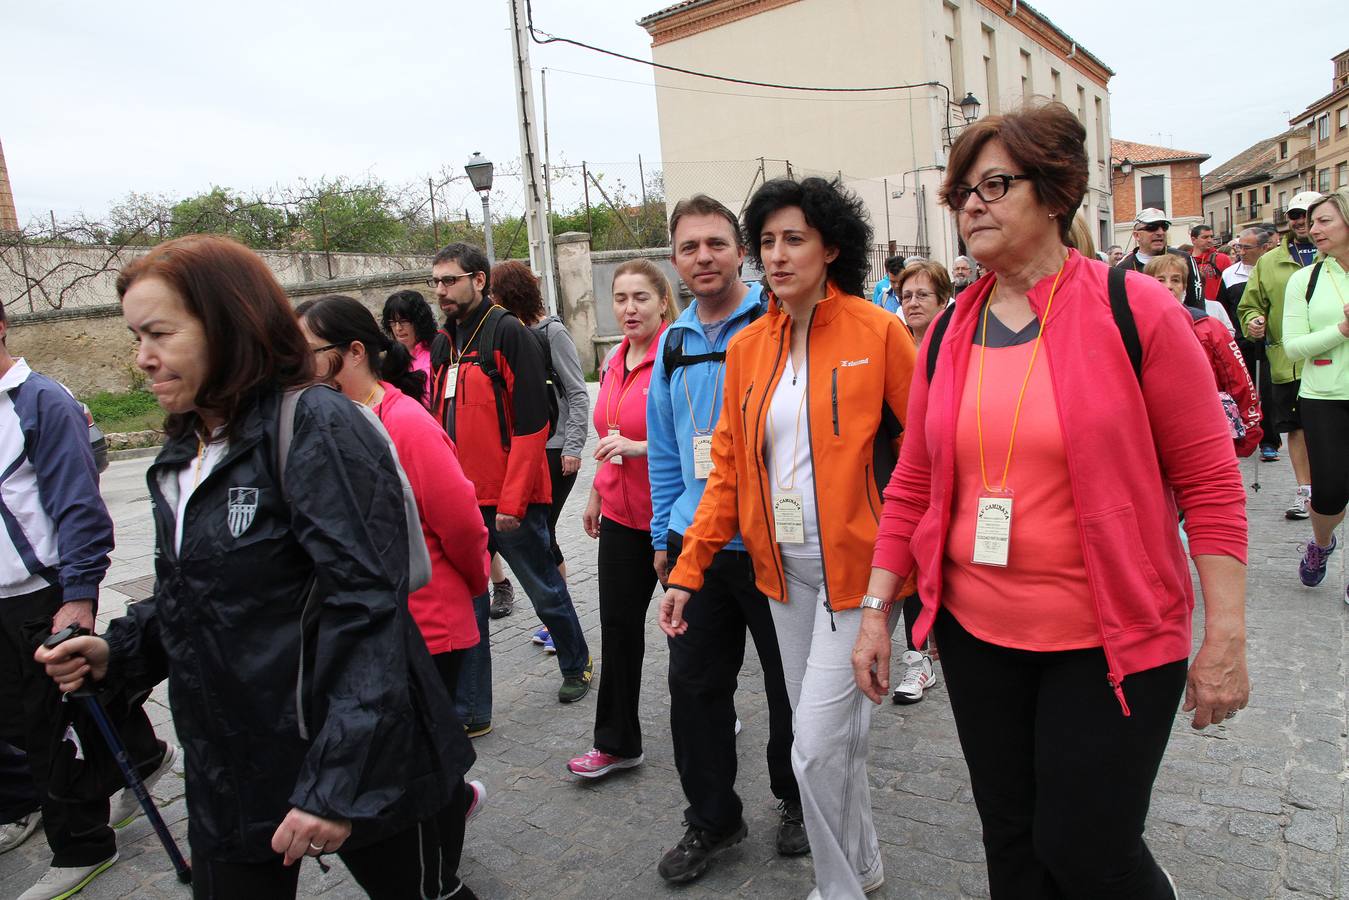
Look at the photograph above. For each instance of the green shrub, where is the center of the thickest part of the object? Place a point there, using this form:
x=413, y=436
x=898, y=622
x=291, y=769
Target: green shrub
x=114, y=411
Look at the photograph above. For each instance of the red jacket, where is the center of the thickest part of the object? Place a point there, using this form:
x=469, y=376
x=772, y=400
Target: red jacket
x=509, y=475
x=1133, y=455
x=451, y=524
x=1229, y=371
x=625, y=490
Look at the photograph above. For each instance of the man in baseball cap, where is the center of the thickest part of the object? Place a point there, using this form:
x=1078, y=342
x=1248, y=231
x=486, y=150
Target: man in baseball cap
x=1260, y=312
x=1150, y=232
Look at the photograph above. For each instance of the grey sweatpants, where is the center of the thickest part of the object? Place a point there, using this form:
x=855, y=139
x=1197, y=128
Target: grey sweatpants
x=831, y=719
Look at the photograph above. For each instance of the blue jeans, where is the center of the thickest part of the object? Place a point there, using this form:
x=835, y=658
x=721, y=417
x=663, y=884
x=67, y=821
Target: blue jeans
x=526, y=551
x=473, y=690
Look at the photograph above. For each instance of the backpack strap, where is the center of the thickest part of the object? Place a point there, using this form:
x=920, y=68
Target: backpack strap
x=1124, y=320
x=938, y=330
x=1311, y=282
x=487, y=361
x=285, y=435
x=674, y=356
x=285, y=431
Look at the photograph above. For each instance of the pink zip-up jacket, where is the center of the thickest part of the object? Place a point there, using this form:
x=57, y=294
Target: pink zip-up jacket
x=1133, y=457
x=625, y=490
x=452, y=525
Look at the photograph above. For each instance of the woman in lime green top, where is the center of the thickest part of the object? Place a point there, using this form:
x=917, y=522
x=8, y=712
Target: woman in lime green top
x=1316, y=331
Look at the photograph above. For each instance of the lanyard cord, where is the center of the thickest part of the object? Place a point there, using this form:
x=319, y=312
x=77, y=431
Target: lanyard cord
x=201, y=462
x=796, y=439
x=979, y=392
x=454, y=360
x=612, y=410
x=712, y=407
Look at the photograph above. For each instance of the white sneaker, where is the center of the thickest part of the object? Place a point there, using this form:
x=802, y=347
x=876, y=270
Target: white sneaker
x=125, y=806
x=1301, y=500
x=15, y=833
x=918, y=677
x=57, y=883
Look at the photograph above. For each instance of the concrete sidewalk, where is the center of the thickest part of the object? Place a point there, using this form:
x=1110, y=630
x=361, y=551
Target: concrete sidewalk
x=1255, y=808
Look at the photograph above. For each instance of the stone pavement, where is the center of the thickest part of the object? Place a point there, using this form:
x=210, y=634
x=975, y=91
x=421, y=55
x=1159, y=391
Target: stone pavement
x=1252, y=809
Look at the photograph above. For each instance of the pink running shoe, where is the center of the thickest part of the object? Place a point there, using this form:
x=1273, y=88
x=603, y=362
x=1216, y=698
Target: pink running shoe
x=477, y=799
x=596, y=763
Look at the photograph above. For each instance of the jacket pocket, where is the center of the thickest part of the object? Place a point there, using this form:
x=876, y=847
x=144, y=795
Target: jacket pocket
x=1128, y=591
x=833, y=397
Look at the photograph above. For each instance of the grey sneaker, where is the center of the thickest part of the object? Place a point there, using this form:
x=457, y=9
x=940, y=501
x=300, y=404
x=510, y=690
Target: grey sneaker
x=1302, y=499
x=125, y=806
x=15, y=833
x=574, y=687
x=58, y=883
x=503, y=599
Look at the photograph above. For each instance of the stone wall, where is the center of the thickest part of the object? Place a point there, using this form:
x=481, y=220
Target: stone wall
x=88, y=350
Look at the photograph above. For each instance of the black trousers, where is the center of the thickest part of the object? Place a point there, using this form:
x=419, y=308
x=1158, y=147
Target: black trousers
x=562, y=485
x=420, y=861
x=1326, y=426
x=627, y=578
x=18, y=796
x=704, y=668
x=449, y=664
x=30, y=711
x=913, y=607
x=1061, y=777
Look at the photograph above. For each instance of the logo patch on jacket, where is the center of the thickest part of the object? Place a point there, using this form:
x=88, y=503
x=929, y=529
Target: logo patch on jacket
x=243, y=506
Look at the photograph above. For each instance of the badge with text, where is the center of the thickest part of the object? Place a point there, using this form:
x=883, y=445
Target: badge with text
x=789, y=517
x=993, y=530
x=451, y=380
x=617, y=458
x=702, y=456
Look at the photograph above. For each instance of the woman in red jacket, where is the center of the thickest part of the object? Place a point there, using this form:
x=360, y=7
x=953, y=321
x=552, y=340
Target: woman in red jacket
x=1036, y=496
x=619, y=514
x=357, y=358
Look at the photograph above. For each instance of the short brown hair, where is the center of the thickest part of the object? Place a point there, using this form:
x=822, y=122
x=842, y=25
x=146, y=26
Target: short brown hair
x=703, y=205
x=516, y=288
x=254, y=345
x=936, y=273
x=1045, y=140
x=652, y=273
x=1164, y=263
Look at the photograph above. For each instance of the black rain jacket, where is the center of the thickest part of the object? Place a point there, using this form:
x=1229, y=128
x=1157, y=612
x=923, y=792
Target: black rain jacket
x=385, y=749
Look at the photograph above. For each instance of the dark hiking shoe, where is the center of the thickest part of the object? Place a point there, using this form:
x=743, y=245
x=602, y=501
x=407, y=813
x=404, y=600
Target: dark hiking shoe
x=503, y=599
x=791, y=839
x=695, y=852
x=574, y=687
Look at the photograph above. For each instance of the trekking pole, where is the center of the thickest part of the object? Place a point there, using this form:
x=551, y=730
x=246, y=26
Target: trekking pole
x=1255, y=485
x=118, y=750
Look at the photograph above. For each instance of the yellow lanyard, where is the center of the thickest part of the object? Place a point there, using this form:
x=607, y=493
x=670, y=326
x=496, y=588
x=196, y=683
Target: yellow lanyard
x=796, y=439
x=712, y=407
x=201, y=461
x=979, y=392
x=611, y=411
x=469, y=343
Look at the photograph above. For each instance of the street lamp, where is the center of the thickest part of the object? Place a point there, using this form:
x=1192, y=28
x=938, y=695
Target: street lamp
x=479, y=169
x=969, y=107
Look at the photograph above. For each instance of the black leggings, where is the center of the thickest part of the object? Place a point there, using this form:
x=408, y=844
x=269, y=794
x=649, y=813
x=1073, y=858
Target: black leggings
x=627, y=578
x=420, y=861
x=912, y=608
x=562, y=485
x=1326, y=426
x=1061, y=777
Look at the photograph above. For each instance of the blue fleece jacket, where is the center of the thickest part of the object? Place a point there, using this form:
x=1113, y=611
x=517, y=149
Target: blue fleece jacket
x=669, y=422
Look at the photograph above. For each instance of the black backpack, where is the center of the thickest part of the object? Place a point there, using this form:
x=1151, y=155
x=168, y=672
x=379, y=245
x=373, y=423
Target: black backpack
x=674, y=356
x=1119, y=310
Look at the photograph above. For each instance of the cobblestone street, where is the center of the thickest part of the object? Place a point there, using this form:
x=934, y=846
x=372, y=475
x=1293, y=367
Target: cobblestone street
x=1252, y=809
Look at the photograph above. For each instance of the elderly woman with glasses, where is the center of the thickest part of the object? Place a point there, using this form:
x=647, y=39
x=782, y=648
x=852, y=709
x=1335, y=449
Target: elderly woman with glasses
x=1043, y=467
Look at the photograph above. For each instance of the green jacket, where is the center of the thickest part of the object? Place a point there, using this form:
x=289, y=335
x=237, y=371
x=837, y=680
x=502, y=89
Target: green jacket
x=1264, y=297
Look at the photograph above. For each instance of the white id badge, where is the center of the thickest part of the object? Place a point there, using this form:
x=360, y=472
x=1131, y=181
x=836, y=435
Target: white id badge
x=702, y=456
x=993, y=530
x=616, y=459
x=451, y=380
x=789, y=518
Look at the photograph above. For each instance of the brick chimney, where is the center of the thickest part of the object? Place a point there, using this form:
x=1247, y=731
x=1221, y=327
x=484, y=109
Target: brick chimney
x=9, y=218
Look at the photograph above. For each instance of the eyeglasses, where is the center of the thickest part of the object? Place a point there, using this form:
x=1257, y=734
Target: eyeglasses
x=1154, y=226
x=918, y=295
x=995, y=187
x=448, y=280
x=1297, y=214
x=337, y=346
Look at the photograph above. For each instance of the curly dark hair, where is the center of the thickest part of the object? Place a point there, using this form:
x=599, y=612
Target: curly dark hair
x=516, y=288
x=829, y=208
x=412, y=306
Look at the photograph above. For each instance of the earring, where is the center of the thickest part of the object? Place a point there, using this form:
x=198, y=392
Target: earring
x=1051, y=215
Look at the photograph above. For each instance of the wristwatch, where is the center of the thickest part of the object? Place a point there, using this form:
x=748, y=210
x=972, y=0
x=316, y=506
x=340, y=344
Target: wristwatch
x=871, y=602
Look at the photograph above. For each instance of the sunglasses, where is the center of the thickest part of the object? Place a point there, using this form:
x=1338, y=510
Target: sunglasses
x=1294, y=214
x=1155, y=226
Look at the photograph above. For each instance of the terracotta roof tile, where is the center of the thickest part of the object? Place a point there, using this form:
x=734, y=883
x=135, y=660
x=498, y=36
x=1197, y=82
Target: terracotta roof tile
x=1149, y=153
x=1257, y=162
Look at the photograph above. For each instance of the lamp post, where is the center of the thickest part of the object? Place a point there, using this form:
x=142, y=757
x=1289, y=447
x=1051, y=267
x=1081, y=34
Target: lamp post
x=479, y=169
x=969, y=107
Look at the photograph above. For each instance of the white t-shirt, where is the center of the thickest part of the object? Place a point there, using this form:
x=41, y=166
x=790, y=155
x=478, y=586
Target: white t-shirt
x=190, y=478
x=1219, y=312
x=790, y=468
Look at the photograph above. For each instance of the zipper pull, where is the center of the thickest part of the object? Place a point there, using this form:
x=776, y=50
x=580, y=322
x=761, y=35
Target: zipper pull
x=1116, y=685
x=830, y=609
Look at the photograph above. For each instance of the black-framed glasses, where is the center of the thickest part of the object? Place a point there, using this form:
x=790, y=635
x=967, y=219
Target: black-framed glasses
x=991, y=189
x=447, y=280
x=337, y=346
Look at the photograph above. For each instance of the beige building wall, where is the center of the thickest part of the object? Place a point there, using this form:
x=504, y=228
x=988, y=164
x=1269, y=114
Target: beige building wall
x=889, y=147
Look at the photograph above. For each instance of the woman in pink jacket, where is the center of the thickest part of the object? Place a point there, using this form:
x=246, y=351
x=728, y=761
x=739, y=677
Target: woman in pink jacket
x=357, y=358
x=619, y=514
x=1050, y=441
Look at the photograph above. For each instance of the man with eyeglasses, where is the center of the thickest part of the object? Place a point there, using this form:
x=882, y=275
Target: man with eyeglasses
x=1150, y=231
x=1261, y=313
x=488, y=390
x=1250, y=246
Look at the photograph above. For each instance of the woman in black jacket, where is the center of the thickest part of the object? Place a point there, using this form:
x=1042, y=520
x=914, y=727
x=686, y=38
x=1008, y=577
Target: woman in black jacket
x=311, y=716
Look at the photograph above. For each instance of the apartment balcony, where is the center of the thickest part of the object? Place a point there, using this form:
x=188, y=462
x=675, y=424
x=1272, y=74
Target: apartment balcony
x=1280, y=216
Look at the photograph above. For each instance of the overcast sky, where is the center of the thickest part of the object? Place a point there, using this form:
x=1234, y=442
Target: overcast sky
x=171, y=97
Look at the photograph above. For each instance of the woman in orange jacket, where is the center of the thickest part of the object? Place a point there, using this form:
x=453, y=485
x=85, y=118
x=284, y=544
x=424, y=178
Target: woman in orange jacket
x=815, y=397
